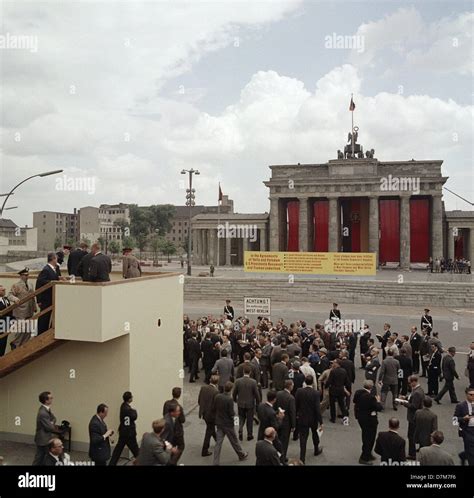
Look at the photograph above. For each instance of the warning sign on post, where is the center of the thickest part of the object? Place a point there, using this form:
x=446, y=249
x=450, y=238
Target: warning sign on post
x=315, y=263
x=257, y=306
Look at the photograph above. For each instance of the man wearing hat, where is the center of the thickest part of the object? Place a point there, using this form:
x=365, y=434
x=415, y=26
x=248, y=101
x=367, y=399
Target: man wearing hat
x=427, y=321
x=334, y=314
x=25, y=311
x=130, y=264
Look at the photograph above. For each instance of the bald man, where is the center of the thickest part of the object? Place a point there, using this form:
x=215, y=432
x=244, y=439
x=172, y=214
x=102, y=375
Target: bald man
x=265, y=452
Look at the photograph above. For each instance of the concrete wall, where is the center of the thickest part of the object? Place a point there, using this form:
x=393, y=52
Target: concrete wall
x=145, y=358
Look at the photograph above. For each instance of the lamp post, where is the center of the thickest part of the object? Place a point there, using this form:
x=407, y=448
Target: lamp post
x=47, y=173
x=190, y=202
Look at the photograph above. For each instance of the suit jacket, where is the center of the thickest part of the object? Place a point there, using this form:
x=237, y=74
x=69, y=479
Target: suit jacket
x=267, y=417
x=257, y=368
x=100, y=268
x=245, y=393
x=99, y=448
x=224, y=367
x=266, y=454
x=388, y=373
x=406, y=364
x=286, y=402
x=307, y=404
x=415, y=402
x=434, y=364
x=19, y=291
x=426, y=422
x=240, y=370
x=128, y=415
x=390, y=445
x=434, y=455
x=166, y=405
x=279, y=374
x=208, y=353
x=465, y=431
x=349, y=367
x=45, y=426
x=206, y=402
x=84, y=267
x=448, y=367
x=366, y=407
x=371, y=369
x=337, y=380
x=50, y=461
x=173, y=431
x=293, y=350
x=46, y=275
x=415, y=341
x=73, y=261
x=152, y=450
x=224, y=410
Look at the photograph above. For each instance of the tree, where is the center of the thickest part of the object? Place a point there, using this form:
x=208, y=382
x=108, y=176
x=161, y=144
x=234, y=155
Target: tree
x=168, y=248
x=58, y=242
x=124, y=227
x=142, y=240
x=155, y=244
x=114, y=247
x=129, y=242
x=101, y=241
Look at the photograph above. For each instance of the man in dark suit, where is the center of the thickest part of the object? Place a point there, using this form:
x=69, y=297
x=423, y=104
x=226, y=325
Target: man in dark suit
x=448, y=370
x=206, y=412
x=225, y=414
x=285, y=402
x=415, y=341
x=464, y=414
x=434, y=370
x=49, y=273
x=366, y=406
x=247, y=397
x=265, y=451
x=349, y=367
x=194, y=353
x=75, y=258
x=174, y=430
x=390, y=445
x=4, y=319
x=84, y=267
x=46, y=428
x=208, y=356
x=175, y=394
x=247, y=361
x=99, y=447
x=100, y=265
x=55, y=455
x=335, y=313
x=339, y=386
x=127, y=429
x=308, y=416
x=280, y=373
x=413, y=403
x=268, y=416
x=426, y=422
x=427, y=321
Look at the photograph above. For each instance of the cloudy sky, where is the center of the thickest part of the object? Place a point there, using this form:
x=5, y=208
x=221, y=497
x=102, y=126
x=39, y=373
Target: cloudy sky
x=129, y=93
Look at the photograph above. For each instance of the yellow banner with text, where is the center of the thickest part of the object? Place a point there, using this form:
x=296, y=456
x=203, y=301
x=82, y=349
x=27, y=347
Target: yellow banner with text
x=315, y=263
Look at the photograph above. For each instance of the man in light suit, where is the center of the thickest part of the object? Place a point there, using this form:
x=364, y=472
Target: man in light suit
x=388, y=378
x=100, y=265
x=426, y=422
x=99, y=444
x=46, y=428
x=206, y=412
x=224, y=367
x=130, y=265
x=153, y=449
x=247, y=397
x=434, y=454
x=265, y=452
x=49, y=273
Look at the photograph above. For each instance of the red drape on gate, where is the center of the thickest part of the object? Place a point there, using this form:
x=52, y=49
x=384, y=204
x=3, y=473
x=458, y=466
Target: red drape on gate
x=459, y=247
x=321, y=226
x=293, y=211
x=389, y=218
x=419, y=230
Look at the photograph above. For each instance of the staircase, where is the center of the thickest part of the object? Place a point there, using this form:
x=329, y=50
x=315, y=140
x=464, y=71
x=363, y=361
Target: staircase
x=28, y=352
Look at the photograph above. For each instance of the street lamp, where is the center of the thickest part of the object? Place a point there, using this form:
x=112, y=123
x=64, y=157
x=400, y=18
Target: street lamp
x=190, y=196
x=47, y=173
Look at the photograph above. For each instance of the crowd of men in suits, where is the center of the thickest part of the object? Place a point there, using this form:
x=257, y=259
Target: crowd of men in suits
x=308, y=370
